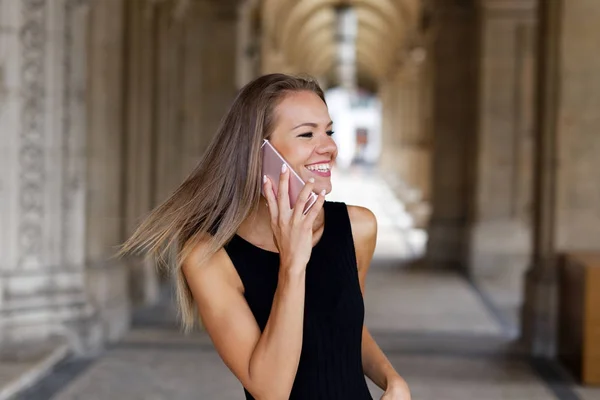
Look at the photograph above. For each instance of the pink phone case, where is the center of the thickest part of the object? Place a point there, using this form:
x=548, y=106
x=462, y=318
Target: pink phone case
x=271, y=167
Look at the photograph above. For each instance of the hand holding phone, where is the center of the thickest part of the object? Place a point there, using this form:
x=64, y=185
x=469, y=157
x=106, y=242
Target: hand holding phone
x=292, y=226
x=271, y=167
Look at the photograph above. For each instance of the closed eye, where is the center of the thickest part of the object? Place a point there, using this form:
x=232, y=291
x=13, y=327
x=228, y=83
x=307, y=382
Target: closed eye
x=310, y=134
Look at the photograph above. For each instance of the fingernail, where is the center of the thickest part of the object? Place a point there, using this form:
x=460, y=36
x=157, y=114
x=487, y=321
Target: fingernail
x=283, y=168
x=311, y=180
x=264, y=179
x=323, y=192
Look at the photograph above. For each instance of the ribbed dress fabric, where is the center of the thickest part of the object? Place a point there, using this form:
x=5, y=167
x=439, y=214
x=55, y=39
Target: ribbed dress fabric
x=330, y=365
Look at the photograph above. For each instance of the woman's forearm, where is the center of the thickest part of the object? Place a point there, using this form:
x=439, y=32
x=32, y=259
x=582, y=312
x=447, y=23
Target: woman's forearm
x=376, y=366
x=275, y=359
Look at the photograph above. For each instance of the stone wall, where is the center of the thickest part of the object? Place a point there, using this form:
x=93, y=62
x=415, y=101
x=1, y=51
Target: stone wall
x=567, y=173
x=500, y=216
x=453, y=125
x=406, y=153
x=105, y=108
x=43, y=181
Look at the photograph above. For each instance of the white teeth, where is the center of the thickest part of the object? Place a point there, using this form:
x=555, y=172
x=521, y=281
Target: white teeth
x=320, y=167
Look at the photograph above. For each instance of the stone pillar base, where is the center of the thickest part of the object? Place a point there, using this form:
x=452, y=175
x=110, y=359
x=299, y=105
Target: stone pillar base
x=445, y=244
x=539, y=312
x=75, y=322
x=144, y=282
x=499, y=250
x=108, y=288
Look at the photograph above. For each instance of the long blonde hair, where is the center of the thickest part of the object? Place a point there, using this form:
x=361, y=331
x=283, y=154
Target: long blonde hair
x=221, y=191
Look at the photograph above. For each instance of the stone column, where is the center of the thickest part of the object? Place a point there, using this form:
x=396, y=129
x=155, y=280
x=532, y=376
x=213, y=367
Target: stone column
x=170, y=67
x=400, y=111
x=193, y=91
x=454, y=98
x=248, y=43
x=567, y=166
x=141, y=145
x=196, y=84
x=389, y=129
x=218, y=21
x=181, y=68
x=272, y=58
x=405, y=157
x=107, y=279
x=384, y=94
x=500, y=234
x=42, y=174
x=415, y=145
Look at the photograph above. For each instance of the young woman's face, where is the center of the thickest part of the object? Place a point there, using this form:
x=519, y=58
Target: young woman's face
x=302, y=135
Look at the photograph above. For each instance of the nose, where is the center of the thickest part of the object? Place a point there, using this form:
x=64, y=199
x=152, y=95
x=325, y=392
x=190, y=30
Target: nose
x=327, y=146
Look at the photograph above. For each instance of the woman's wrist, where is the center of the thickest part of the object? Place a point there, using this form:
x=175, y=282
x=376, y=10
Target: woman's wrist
x=396, y=381
x=290, y=272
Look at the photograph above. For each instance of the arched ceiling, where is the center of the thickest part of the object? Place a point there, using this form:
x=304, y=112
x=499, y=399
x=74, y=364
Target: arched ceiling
x=303, y=31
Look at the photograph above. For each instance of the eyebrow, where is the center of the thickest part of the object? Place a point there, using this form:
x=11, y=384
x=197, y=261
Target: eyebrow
x=311, y=124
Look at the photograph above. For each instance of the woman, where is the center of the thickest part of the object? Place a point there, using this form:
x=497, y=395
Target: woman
x=279, y=292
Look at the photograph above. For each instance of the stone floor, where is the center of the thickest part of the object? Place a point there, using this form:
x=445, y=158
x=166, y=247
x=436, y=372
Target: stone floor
x=438, y=330
x=438, y=351
x=21, y=366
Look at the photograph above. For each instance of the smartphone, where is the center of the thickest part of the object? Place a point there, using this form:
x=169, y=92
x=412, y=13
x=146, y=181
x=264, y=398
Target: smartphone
x=271, y=167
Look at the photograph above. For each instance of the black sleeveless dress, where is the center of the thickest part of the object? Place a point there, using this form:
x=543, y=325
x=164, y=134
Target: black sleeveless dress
x=330, y=365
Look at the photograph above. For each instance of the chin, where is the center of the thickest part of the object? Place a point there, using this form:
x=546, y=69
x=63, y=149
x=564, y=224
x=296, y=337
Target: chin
x=317, y=190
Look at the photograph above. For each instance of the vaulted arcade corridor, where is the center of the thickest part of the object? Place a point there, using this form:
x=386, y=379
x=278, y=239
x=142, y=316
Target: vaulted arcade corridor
x=467, y=126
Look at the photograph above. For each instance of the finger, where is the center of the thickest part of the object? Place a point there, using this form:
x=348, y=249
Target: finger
x=302, y=199
x=283, y=195
x=311, y=215
x=271, y=199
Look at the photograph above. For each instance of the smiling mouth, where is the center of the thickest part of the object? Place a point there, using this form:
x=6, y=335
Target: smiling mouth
x=323, y=168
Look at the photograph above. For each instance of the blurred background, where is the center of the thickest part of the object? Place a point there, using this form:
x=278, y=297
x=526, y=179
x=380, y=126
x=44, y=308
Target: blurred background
x=470, y=128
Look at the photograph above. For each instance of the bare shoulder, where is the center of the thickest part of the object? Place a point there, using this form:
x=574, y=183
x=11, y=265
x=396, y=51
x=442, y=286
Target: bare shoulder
x=203, y=275
x=364, y=233
x=364, y=223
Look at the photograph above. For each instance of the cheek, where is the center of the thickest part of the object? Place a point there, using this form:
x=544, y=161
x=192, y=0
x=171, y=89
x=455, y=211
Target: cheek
x=334, y=154
x=297, y=155
x=286, y=150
